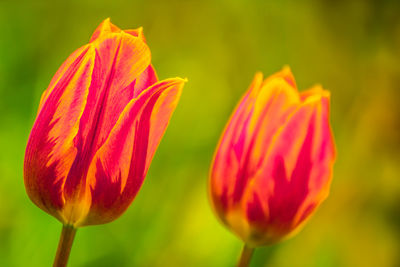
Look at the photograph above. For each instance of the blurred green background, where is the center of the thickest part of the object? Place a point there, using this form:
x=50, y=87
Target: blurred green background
x=352, y=48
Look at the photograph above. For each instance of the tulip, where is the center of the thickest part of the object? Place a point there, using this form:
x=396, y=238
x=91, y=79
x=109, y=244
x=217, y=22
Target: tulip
x=273, y=165
x=98, y=125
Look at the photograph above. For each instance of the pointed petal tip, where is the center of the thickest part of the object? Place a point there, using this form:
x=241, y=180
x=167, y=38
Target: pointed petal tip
x=286, y=69
x=106, y=24
x=257, y=82
x=315, y=93
x=104, y=28
x=177, y=81
x=324, y=93
x=258, y=77
x=136, y=33
x=141, y=34
x=287, y=74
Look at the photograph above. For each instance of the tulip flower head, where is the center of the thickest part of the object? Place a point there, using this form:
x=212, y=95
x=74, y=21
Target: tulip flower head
x=98, y=125
x=273, y=165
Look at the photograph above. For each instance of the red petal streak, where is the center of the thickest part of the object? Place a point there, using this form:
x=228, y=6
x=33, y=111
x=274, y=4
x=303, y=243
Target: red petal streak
x=50, y=150
x=283, y=182
x=323, y=156
x=255, y=210
x=107, y=86
x=230, y=149
x=273, y=164
x=64, y=70
x=275, y=102
x=120, y=165
x=250, y=132
x=120, y=59
x=146, y=79
x=161, y=114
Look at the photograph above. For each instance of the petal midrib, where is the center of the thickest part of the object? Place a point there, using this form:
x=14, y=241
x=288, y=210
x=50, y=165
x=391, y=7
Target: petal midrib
x=86, y=153
x=101, y=106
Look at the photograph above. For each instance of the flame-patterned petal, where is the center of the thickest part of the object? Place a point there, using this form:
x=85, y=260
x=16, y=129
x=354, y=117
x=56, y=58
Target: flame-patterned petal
x=98, y=125
x=274, y=163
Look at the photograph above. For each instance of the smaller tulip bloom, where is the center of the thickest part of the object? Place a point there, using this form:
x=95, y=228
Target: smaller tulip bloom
x=273, y=165
x=98, y=126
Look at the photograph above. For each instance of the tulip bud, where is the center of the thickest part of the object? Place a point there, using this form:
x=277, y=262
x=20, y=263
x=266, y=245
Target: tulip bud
x=273, y=165
x=98, y=125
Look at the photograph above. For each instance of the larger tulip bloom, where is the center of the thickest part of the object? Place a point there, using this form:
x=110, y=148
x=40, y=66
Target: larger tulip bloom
x=273, y=165
x=98, y=125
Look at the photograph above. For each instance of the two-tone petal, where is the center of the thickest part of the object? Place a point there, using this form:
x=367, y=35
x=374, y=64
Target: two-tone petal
x=284, y=166
x=118, y=168
x=98, y=125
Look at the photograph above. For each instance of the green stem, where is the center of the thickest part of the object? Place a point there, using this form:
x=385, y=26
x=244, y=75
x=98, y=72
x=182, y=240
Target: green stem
x=64, y=246
x=245, y=257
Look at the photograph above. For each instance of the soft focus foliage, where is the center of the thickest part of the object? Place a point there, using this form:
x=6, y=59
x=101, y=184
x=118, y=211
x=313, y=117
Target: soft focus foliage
x=351, y=47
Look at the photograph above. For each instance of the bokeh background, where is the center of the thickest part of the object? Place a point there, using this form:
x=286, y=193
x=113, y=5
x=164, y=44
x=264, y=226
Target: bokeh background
x=352, y=48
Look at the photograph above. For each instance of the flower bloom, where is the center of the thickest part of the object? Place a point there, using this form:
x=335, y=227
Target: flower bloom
x=273, y=165
x=98, y=125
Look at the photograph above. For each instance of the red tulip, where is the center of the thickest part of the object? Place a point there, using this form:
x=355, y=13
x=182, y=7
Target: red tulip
x=273, y=165
x=98, y=125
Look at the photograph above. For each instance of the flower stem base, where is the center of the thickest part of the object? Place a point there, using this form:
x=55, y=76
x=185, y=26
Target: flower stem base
x=64, y=246
x=245, y=256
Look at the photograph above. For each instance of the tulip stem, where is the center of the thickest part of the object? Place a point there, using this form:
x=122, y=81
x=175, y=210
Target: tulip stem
x=245, y=257
x=64, y=246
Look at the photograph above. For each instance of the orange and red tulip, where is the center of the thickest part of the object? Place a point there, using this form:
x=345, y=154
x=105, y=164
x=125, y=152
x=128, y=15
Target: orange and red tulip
x=98, y=125
x=273, y=165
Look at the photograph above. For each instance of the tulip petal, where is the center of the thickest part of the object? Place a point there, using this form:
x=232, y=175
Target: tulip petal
x=275, y=103
x=137, y=33
x=273, y=165
x=146, y=79
x=225, y=165
x=102, y=112
x=69, y=64
x=120, y=59
x=119, y=166
x=291, y=178
x=106, y=27
x=270, y=106
x=285, y=74
x=323, y=154
x=50, y=150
